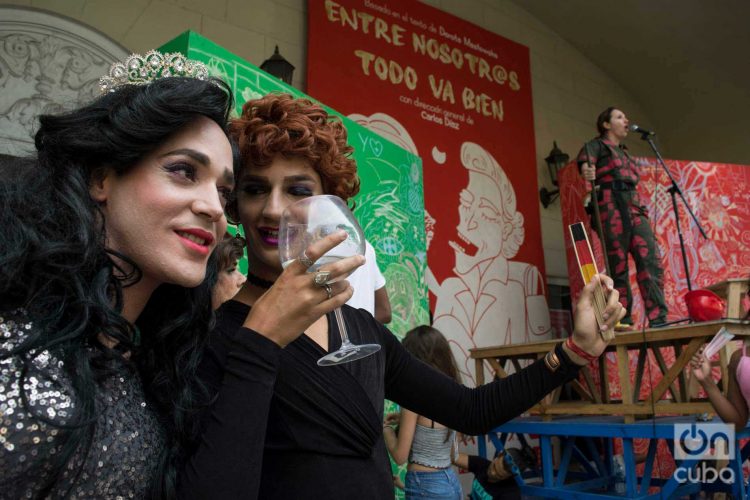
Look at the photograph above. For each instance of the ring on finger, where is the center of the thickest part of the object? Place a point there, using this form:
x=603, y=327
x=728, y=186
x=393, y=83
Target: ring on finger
x=320, y=278
x=329, y=290
x=305, y=260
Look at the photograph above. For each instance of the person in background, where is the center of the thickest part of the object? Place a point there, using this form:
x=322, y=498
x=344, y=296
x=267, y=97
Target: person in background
x=427, y=446
x=732, y=408
x=624, y=218
x=493, y=479
x=223, y=269
x=370, y=292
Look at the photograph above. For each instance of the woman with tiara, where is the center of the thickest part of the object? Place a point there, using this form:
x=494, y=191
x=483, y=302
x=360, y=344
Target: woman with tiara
x=103, y=309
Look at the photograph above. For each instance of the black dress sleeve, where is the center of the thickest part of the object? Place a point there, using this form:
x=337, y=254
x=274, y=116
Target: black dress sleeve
x=424, y=390
x=228, y=460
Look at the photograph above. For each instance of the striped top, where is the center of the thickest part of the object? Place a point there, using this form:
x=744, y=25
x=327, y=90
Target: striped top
x=432, y=447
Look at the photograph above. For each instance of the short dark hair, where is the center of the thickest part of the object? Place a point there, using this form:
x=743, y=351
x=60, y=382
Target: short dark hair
x=604, y=117
x=229, y=250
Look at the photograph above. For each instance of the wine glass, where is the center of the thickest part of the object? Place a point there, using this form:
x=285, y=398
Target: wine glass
x=310, y=220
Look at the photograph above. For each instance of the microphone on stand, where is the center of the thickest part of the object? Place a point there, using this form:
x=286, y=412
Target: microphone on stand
x=635, y=128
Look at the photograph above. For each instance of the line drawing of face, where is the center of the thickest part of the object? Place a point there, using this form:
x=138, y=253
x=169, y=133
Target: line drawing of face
x=262, y=195
x=491, y=299
x=489, y=225
x=166, y=213
x=480, y=223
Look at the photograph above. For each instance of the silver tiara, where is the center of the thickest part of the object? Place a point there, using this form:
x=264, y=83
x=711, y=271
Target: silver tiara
x=140, y=70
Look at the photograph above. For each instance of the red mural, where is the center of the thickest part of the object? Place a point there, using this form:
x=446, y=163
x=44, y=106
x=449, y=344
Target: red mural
x=719, y=195
x=458, y=96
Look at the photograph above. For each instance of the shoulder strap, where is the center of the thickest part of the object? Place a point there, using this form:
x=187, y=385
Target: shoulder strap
x=603, y=153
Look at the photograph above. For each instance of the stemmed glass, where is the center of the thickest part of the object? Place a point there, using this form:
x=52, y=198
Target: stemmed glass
x=310, y=220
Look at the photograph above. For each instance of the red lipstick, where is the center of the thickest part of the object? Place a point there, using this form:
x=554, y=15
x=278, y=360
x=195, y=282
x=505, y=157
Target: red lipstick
x=196, y=239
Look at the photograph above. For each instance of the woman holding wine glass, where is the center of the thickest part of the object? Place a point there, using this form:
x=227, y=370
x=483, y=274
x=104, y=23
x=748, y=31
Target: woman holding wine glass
x=323, y=431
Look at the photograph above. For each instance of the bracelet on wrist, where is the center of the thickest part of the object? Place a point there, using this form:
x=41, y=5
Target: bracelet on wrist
x=578, y=351
x=552, y=361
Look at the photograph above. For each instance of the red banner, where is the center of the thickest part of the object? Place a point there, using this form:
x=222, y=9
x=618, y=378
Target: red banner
x=460, y=97
x=719, y=195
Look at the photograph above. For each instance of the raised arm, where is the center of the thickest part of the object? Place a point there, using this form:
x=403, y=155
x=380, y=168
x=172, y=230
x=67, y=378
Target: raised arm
x=419, y=387
x=416, y=386
x=731, y=408
x=240, y=368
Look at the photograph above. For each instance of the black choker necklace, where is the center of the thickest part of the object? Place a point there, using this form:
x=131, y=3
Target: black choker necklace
x=259, y=282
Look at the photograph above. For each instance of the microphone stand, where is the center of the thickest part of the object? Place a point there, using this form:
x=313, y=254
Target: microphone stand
x=675, y=189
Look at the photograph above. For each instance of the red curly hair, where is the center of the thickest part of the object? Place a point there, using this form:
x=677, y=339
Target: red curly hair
x=279, y=124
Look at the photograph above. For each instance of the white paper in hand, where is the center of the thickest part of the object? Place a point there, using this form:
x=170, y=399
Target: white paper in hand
x=720, y=340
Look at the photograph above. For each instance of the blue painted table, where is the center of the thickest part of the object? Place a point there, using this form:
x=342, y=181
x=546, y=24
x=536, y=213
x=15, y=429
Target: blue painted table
x=596, y=479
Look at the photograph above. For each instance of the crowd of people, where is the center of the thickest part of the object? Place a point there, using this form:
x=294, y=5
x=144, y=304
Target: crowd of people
x=117, y=379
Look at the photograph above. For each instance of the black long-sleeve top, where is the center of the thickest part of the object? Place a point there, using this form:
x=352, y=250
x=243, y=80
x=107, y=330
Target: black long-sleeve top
x=283, y=427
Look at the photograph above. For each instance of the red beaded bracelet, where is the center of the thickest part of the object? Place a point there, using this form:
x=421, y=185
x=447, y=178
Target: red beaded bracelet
x=573, y=347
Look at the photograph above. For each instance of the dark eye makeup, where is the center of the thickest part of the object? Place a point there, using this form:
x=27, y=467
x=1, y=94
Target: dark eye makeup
x=182, y=169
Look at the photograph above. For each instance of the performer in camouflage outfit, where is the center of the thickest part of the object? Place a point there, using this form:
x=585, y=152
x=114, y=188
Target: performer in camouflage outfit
x=624, y=219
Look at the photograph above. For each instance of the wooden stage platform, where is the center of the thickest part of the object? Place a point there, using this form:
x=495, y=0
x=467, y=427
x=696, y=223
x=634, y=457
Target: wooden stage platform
x=672, y=379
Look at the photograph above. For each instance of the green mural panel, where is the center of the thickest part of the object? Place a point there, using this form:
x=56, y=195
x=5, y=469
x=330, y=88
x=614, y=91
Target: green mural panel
x=390, y=205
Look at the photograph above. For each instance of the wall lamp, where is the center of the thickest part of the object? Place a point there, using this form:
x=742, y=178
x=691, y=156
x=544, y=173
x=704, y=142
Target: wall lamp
x=279, y=67
x=555, y=161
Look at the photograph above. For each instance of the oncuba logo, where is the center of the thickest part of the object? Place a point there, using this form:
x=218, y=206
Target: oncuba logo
x=704, y=441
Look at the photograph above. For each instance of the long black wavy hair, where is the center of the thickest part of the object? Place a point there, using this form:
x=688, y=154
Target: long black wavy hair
x=54, y=263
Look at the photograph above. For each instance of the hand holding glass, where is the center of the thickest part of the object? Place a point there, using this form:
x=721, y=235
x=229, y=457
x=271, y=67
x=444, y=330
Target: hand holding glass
x=307, y=221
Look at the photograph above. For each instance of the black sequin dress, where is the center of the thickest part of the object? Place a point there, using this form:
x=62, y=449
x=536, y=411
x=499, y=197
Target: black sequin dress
x=126, y=441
